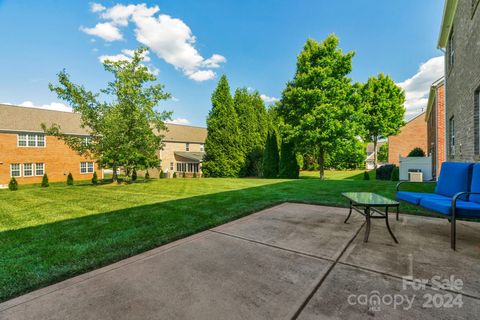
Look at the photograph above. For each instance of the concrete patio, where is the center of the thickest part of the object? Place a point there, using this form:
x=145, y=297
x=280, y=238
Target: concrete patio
x=290, y=261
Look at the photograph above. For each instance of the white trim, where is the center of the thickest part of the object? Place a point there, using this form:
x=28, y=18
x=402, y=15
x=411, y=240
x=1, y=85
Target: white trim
x=19, y=170
x=27, y=139
x=31, y=170
x=87, y=171
x=43, y=169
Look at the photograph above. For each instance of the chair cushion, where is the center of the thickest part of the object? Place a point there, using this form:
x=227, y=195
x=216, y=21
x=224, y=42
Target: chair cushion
x=475, y=186
x=455, y=177
x=465, y=209
x=415, y=197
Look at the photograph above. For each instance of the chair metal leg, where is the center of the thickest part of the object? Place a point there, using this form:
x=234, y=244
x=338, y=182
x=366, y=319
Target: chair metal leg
x=349, y=214
x=398, y=208
x=453, y=233
x=367, y=231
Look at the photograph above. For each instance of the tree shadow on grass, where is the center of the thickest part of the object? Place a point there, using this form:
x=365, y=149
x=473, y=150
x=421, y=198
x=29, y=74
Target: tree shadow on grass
x=37, y=256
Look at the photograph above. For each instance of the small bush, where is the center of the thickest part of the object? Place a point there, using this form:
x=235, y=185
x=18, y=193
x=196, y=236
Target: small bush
x=134, y=175
x=417, y=152
x=396, y=174
x=13, y=184
x=45, y=181
x=69, y=179
x=174, y=175
x=147, y=176
x=384, y=172
x=95, y=178
x=366, y=175
x=194, y=174
x=184, y=175
x=162, y=174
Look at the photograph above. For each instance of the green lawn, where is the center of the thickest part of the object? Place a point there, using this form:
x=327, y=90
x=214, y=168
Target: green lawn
x=50, y=234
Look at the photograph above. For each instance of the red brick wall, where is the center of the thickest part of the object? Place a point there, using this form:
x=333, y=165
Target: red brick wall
x=440, y=126
x=58, y=158
x=413, y=134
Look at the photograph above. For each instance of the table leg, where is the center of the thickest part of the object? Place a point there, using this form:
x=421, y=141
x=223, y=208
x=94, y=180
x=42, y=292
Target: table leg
x=398, y=208
x=367, y=230
x=388, y=225
x=350, y=213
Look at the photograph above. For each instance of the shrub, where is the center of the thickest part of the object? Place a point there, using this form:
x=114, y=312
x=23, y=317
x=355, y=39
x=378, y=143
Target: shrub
x=270, y=157
x=134, y=175
x=69, y=179
x=45, y=181
x=288, y=166
x=174, y=175
x=162, y=174
x=396, y=174
x=416, y=152
x=147, y=175
x=184, y=175
x=13, y=184
x=366, y=175
x=194, y=174
x=384, y=172
x=95, y=178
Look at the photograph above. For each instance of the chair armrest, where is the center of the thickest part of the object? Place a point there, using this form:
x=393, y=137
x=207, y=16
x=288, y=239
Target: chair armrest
x=458, y=195
x=397, y=188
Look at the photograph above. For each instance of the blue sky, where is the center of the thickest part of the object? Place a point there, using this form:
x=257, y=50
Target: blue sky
x=192, y=42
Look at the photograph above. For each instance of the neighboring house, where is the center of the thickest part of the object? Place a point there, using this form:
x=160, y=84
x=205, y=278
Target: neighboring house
x=412, y=135
x=460, y=37
x=369, y=162
x=26, y=153
x=435, y=118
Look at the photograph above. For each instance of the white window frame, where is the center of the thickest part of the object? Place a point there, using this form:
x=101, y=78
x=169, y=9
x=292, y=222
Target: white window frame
x=172, y=167
x=25, y=170
x=89, y=167
x=19, y=170
x=202, y=147
x=31, y=137
x=36, y=169
x=187, y=146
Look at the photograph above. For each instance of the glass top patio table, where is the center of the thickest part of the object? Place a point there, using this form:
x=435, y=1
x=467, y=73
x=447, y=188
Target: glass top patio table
x=369, y=199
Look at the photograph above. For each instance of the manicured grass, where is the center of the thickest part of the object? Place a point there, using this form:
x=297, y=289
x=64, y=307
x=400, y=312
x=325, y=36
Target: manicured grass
x=50, y=234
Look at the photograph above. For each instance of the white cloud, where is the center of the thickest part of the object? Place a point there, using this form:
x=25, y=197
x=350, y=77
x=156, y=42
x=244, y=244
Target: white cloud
x=180, y=121
x=417, y=87
x=268, y=99
x=105, y=30
x=96, y=7
x=127, y=54
x=169, y=38
x=57, y=106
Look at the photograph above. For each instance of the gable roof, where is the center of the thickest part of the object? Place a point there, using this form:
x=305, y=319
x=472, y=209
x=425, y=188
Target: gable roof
x=447, y=21
x=26, y=119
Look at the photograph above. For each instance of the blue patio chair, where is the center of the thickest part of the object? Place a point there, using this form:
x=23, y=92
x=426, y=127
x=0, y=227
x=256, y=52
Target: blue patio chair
x=457, y=194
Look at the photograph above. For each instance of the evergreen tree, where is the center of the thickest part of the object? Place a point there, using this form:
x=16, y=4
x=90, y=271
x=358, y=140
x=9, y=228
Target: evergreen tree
x=162, y=174
x=13, y=184
x=95, y=178
x=45, y=181
x=174, y=175
x=288, y=166
x=318, y=105
x=270, y=157
x=224, y=156
x=69, y=179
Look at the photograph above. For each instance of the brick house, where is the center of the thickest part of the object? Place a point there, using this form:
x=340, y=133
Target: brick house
x=435, y=118
x=412, y=135
x=27, y=153
x=460, y=37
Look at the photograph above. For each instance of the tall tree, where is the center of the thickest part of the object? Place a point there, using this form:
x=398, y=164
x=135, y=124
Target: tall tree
x=288, y=166
x=224, y=156
x=383, y=153
x=318, y=104
x=125, y=128
x=382, y=109
x=271, y=158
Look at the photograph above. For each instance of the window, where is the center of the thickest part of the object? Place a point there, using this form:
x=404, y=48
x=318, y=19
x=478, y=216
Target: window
x=15, y=170
x=187, y=166
x=28, y=169
x=39, y=169
x=30, y=140
x=171, y=166
x=451, y=50
x=187, y=146
x=86, y=141
x=451, y=130
x=202, y=147
x=86, y=167
x=476, y=124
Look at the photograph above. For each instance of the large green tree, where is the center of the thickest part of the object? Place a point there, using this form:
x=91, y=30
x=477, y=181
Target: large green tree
x=124, y=128
x=271, y=157
x=288, y=166
x=318, y=105
x=382, y=109
x=223, y=147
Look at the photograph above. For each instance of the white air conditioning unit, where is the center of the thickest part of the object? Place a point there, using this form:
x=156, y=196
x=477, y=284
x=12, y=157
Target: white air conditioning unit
x=415, y=176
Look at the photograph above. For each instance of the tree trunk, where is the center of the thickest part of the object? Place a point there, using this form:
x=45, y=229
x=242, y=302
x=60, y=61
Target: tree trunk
x=114, y=175
x=321, y=164
x=375, y=152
